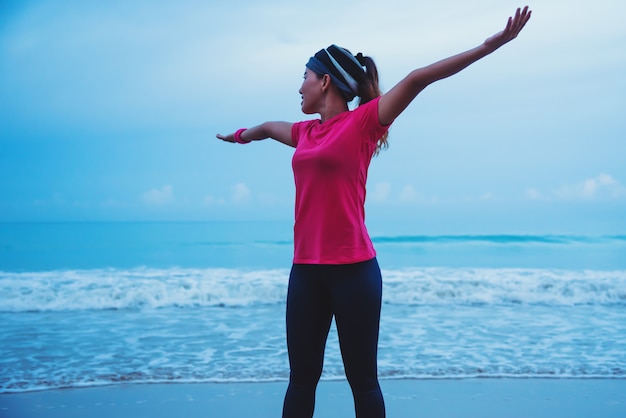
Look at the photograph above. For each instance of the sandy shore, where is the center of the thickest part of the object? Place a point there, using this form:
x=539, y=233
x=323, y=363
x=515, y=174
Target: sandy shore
x=510, y=398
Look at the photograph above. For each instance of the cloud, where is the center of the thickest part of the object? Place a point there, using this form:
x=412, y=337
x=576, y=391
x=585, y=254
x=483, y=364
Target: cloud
x=603, y=186
x=211, y=200
x=241, y=193
x=111, y=203
x=57, y=199
x=533, y=194
x=158, y=197
x=380, y=192
x=408, y=194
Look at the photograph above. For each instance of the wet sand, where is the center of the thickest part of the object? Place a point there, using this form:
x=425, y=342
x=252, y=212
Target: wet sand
x=510, y=398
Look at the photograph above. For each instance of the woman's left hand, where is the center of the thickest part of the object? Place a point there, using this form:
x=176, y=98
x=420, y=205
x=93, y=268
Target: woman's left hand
x=513, y=28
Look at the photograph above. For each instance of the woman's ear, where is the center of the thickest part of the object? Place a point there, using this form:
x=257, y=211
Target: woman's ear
x=325, y=82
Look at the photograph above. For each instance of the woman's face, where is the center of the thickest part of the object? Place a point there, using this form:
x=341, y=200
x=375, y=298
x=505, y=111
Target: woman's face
x=311, y=91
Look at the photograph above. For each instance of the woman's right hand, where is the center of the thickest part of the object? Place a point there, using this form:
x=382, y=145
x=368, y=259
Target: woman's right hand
x=227, y=138
x=280, y=131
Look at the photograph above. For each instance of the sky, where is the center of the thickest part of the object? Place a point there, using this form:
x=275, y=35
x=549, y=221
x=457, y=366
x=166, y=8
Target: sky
x=109, y=110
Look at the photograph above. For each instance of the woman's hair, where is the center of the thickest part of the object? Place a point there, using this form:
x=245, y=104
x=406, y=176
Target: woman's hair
x=369, y=90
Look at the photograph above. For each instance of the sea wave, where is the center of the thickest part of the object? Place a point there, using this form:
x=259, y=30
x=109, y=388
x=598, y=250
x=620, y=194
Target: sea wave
x=495, y=239
x=10, y=387
x=146, y=288
x=440, y=286
x=498, y=239
x=138, y=288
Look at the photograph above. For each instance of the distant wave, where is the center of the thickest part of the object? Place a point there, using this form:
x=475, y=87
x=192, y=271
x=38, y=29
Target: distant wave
x=498, y=239
x=447, y=239
x=158, y=288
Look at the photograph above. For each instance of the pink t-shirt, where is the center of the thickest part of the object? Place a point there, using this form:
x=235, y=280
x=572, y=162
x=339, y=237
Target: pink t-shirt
x=330, y=169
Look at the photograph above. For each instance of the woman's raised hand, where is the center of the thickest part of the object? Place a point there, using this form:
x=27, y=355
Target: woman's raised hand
x=513, y=28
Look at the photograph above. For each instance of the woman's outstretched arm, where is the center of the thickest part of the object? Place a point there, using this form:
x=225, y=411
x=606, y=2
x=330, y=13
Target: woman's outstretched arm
x=280, y=131
x=393, y=102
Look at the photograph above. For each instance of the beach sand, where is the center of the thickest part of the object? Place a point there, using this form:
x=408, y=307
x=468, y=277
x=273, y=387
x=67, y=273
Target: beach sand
x=510, y=398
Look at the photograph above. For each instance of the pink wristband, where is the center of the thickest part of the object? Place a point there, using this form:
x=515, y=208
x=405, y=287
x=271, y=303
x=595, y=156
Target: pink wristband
x=238, y=138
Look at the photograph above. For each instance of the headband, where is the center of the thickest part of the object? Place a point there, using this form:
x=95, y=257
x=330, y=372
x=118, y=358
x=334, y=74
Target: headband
x=342, y=67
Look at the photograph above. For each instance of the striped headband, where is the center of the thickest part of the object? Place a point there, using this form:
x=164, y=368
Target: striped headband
x=344, y=69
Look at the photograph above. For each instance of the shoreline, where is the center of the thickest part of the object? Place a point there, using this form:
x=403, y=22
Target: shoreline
x=478, y=397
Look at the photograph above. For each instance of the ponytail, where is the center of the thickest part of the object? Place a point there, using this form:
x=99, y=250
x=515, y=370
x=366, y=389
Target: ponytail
x=369, y=90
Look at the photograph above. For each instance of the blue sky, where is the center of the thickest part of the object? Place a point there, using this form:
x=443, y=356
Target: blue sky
x=109, y=110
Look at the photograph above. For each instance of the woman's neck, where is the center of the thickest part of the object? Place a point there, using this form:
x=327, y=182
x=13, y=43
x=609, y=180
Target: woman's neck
x=332, y=108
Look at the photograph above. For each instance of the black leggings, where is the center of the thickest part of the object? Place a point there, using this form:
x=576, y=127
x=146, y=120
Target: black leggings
x=352, y=293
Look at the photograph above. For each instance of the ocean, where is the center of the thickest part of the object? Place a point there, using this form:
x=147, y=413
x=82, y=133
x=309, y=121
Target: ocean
x=86, y=304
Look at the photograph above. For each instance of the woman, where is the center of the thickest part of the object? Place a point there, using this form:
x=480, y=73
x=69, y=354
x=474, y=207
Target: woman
x=335, y=272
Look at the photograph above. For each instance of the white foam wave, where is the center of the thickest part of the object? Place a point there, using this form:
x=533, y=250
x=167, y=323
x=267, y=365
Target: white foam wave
x=505, y=286
x=138, y=288
x=145, y=288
